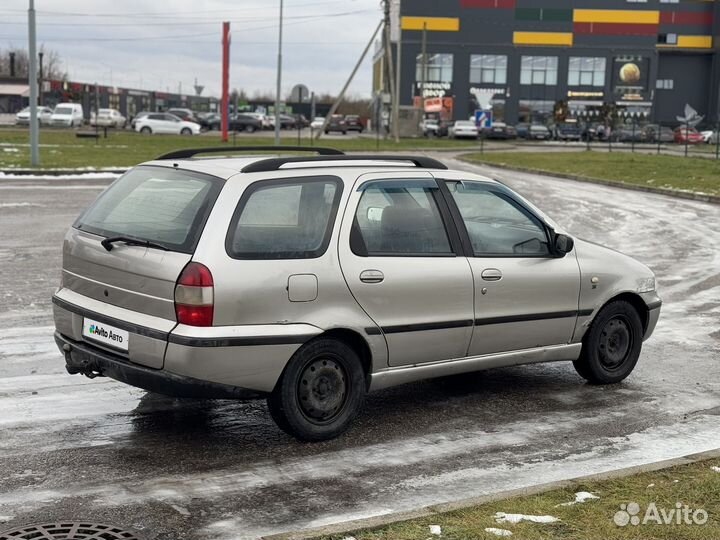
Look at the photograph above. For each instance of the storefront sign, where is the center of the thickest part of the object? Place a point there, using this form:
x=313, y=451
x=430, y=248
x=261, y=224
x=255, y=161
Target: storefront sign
x=573, y=94
x=433, y=89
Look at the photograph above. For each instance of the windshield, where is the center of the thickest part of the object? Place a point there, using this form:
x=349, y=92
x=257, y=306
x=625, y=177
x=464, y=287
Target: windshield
x=63, y=110
x=156, y=204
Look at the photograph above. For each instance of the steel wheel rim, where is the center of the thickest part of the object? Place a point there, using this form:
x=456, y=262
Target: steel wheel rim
x=322, y=390
x=616, y=342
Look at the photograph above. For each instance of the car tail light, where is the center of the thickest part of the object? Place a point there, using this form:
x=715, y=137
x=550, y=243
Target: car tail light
x=195, y=296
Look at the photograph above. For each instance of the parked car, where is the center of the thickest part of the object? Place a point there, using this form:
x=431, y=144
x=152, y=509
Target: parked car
x=707, y=135
x=287, y=121
x=44, y=115
x=568, y=132
x=165, y=123
x=354, y=123
x=209, y=121
x=336, y=124
x=684, y=135
x=245, y=122
x=539, y=132
x=522, y=130
x=463, y=129
x=266, y=122
x=184, y=114
x=430, y=127
x=500, y=130
x=137, y=117
x=332, y=284
x=108, y=118
x=67, y=115
x=653, y=133
x=317, y=123
x=628, y=134
x=302, y=121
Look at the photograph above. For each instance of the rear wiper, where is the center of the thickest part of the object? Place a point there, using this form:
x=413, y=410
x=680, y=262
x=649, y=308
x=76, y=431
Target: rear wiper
x=108, y=243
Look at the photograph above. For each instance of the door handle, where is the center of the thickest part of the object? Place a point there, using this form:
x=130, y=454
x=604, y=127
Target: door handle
x=372, y=276
x=491, y=274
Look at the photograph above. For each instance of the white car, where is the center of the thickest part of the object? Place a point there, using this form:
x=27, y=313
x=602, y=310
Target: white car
x=67, y=115
x=23, y=117
x=317, y=123
x=708, y=136
x=166, y=123
x=108, y=118
x=463, y=129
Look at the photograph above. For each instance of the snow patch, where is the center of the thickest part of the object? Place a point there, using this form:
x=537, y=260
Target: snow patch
x=5, y=519
x=180, y=510
x=436, y=530
x=498, y=532
x=580, y=497
x=11, y=150
x=76, y=176
x=502, y=517
x=716, y=469
x=18, y=204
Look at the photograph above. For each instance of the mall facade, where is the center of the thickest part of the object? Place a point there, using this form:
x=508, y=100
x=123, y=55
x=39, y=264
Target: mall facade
x=535, y=60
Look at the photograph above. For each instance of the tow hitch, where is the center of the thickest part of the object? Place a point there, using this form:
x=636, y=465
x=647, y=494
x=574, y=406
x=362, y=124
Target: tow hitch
x=83, y=366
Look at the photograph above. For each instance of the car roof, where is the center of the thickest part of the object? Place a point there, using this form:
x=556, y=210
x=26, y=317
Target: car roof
x=354, y=165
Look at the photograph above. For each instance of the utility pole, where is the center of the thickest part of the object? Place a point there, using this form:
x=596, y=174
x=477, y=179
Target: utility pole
x=341, y=96
x=388, y=55
x=398, y=81
x=32, y=79
x=423, y=69
x=224, y=105
x=279, y=79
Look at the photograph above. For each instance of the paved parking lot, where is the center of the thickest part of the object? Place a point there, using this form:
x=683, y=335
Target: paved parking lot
x=97, y=450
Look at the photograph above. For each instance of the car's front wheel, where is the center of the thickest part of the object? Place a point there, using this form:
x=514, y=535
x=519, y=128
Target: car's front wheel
x=146, y=130
x=611, y=347
x=320, y=392
x=186, y=131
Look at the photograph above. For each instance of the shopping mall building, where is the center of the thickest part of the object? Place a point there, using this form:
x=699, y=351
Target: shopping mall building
x=525, y=60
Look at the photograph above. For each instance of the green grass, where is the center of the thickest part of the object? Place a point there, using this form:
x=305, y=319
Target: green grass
x=697, y=486
x=61, y=148
x=698, y=175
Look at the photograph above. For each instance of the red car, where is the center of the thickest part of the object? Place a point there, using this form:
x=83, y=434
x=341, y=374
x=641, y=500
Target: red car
x=690, y=136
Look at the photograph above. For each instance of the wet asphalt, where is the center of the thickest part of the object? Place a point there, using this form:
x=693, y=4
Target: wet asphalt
x=74, y=449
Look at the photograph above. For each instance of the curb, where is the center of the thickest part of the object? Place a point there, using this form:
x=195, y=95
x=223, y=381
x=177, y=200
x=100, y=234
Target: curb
x=712, y=199
x=427, y=511
x=59, y=172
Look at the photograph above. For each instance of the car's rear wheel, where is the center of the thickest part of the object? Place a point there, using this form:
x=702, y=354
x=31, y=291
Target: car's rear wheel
x=146, y=130
x=611, y=347
x=320, y=392
x=250, y=129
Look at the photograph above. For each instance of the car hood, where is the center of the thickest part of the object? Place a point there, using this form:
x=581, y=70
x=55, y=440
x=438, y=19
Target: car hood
x=593, y=257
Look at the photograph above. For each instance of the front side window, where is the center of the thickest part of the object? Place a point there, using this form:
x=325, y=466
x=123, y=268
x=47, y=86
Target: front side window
x=488, y=69
x=498, y=226
x=539, y=70
x=586, y=71
x=284, y=219
x=399, y=220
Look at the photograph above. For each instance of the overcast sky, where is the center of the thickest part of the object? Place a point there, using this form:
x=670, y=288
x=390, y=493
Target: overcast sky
x=142, y=43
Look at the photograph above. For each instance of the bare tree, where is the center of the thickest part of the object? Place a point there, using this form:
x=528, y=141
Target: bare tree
x=52, y=63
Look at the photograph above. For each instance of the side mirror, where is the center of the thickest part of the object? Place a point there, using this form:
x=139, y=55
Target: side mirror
x=563, y=244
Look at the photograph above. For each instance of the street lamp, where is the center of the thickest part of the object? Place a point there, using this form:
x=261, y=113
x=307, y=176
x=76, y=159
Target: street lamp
x=279, y=79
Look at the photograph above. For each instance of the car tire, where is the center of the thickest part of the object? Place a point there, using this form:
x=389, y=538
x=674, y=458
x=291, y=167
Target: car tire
x=186, y=131
x=249, y=129
x=611, y=347
x=320, y=392
x=147, y=130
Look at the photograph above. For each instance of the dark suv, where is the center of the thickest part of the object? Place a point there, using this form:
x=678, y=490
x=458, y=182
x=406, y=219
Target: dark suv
x=353, y=123
x=336, y=123
x=245, y=122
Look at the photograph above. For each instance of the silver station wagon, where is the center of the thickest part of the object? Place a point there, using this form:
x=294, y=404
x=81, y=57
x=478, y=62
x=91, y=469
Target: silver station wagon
x=310, y=281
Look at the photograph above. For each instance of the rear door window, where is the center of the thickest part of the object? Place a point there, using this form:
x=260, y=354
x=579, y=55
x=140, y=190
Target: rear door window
x=285, y=219
x=157, y=204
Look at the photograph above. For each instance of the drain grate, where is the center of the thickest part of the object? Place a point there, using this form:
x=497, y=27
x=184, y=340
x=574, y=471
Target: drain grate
x=69, y=531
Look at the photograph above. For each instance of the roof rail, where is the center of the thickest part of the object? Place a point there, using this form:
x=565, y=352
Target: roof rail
x=191, y=152
x=274, y=164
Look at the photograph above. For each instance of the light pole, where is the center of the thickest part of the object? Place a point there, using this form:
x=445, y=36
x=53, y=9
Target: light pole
x=32, y=79
x=279, y=79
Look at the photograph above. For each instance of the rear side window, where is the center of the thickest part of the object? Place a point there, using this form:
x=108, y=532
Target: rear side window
x=285, y=219
x=161, y=205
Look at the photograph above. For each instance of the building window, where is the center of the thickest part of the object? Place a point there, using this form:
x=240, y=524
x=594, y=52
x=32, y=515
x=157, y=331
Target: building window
x=439, y=68
x=668, y=39
x=665, y=84
x=586, y=71
x=488, y=69
x=539, y=70
x=534, y=111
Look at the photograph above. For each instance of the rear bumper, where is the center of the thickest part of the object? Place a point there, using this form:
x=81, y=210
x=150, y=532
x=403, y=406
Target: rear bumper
x=86, y=359
x=653, y=303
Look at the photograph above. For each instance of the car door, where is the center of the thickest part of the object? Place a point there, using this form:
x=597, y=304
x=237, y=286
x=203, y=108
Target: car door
x=525, y=296
x=401, y=258
x=171, y=124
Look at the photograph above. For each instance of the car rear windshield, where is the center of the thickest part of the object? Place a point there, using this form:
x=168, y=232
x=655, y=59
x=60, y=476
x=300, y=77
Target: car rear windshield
x=156, y=204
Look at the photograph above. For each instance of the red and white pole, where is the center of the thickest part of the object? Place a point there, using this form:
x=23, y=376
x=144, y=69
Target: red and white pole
x=224, y=112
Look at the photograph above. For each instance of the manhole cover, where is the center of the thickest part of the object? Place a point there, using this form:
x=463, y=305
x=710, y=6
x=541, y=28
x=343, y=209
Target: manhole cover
x=69, y=531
